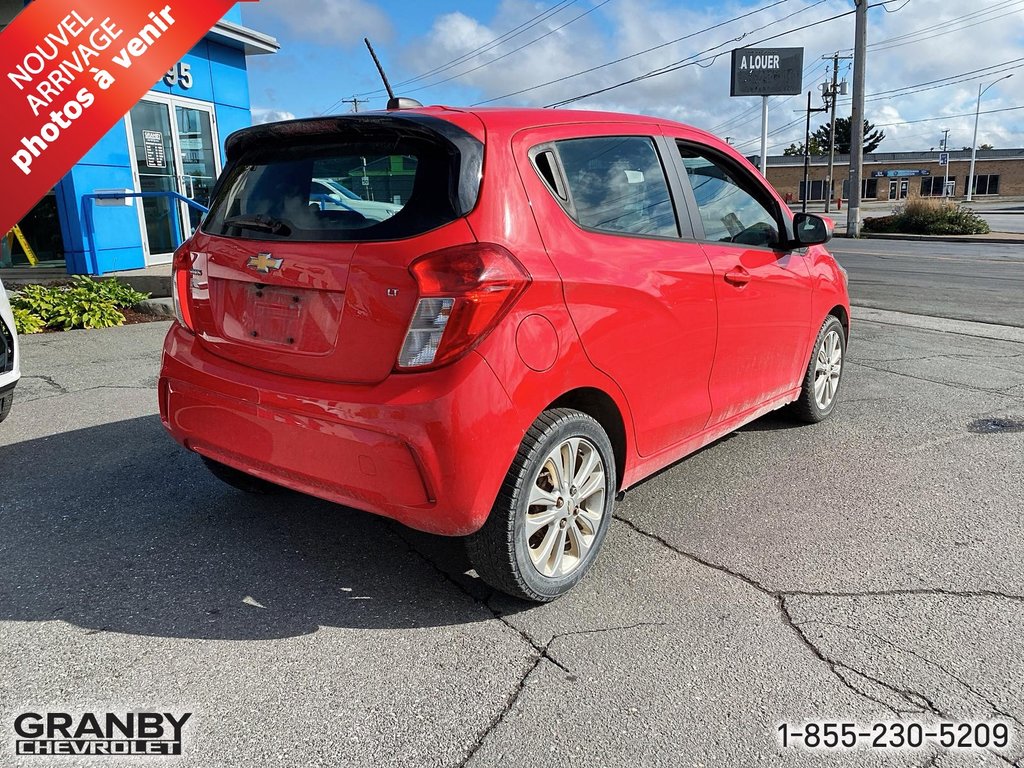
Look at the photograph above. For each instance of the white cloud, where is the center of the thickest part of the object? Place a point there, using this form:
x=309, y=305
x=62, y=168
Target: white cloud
x=262, y=115
x=334, y=22
x=700, y=96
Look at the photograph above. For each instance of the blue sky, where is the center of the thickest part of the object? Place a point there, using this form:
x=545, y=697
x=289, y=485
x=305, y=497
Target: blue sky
x=915, y=42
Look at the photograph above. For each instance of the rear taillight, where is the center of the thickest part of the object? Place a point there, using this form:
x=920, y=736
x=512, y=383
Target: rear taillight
x=464, y=291
x=181, y=274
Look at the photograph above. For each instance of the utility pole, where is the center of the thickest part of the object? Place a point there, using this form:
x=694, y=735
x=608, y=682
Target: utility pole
x=860, y=50
x=355, y=102
x=834, y=91
x=764, y=136
x=807, y=153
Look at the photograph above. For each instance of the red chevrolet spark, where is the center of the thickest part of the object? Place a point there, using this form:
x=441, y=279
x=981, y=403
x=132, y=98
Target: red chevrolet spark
x=542, y=309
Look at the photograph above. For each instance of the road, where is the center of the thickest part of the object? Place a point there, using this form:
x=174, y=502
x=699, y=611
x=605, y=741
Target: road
x=982, y=282
x=864, y=569
x=1004, y=222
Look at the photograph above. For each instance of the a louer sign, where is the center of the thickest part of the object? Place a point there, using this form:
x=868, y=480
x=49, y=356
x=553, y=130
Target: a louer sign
x=767, y=71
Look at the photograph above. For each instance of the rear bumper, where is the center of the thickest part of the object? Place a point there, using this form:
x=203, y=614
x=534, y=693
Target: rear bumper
x=429, y=450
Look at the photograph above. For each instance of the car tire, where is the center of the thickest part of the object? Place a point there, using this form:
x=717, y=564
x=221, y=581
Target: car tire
x=240, y=480
x=823, y=378
x=5, y=405
x=540, y=551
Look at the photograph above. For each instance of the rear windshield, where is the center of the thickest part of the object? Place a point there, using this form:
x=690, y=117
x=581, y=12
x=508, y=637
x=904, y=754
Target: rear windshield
x=330, y=192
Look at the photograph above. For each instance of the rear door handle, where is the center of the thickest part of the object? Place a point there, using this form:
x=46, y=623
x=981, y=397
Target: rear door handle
x=737, y=276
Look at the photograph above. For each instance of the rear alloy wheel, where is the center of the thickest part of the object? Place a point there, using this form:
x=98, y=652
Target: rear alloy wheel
x=824, y=374
x=553, y=511
x=240, y=480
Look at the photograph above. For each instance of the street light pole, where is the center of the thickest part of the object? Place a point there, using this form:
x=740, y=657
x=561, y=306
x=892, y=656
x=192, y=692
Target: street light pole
x=974, y=143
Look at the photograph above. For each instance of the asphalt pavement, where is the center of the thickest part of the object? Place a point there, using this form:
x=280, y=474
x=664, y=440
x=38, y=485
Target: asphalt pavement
x=864, y=569
x=999, y=221
x=981, y=282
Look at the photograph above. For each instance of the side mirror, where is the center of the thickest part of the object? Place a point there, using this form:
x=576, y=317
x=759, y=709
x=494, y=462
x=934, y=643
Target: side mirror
x=809, y=229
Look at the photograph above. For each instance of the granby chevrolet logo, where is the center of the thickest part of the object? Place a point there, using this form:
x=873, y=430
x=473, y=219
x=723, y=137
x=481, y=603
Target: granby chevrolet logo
x=109, y=734
x=263, y=263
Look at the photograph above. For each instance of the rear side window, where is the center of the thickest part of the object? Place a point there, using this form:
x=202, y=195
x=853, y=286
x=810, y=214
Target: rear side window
x=617, y=185
x=335, y=192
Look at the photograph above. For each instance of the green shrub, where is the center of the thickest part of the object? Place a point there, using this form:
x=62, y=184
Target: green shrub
x=25, y=322
x=120, y=294
x=86, y=303
x=930, y=217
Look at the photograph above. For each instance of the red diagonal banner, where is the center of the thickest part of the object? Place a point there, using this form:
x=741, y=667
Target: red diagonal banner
x=69, y=70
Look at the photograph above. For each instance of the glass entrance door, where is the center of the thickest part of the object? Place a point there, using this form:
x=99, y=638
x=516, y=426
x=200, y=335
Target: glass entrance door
x=154, y=165
x=175, y=144
x=198, y=160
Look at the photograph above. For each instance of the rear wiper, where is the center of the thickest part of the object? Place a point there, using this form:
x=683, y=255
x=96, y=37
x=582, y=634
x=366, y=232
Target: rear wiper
x=260, y=222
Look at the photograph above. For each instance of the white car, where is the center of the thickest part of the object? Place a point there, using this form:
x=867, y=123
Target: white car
x=337, y=197
x=10, y=371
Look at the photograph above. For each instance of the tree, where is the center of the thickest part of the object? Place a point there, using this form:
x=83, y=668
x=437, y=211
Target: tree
x=980, y=146
x=872, y=138
x=797, y=150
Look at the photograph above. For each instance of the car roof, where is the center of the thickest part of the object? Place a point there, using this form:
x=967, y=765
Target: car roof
x=475, y=121
x=512, y=119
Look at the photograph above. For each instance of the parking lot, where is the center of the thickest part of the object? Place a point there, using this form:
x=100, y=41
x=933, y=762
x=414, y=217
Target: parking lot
x=865, y=569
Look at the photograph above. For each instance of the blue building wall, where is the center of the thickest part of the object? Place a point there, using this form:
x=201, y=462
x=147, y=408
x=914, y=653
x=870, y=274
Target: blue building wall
x=219, y=77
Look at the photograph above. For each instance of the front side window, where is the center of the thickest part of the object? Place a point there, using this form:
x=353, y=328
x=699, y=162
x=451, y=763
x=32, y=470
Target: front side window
x=729, y=212
x=617, y=185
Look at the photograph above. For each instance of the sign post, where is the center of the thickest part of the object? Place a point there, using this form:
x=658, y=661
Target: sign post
x=944, y=162
x=766, y=72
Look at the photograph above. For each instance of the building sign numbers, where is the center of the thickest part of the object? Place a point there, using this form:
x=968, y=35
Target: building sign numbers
x=179, y=74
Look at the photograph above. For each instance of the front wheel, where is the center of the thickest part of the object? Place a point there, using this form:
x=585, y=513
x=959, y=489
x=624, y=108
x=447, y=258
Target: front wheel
x=5, y=404
x=553, y=511
x=820, y=391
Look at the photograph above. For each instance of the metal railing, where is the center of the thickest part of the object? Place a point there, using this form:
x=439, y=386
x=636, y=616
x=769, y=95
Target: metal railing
x=88, y=215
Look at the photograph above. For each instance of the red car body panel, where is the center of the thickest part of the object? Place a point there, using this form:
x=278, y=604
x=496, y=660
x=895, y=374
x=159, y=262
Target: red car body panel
x=681, y=354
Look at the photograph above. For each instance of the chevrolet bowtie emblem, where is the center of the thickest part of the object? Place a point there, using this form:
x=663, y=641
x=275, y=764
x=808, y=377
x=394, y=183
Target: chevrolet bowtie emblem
x=263, y=263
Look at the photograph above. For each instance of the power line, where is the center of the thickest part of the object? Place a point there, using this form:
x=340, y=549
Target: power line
x=632, y=55
x=917, y=88
x=775, y=100
x=950, y=77
x=491, y=44
x=514, y=50
x=949, y=117
x=693, y=60
x=494, y=42
x=942, y=28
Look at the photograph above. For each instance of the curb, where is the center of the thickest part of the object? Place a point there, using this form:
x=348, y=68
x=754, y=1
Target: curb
x=1013, y=240
x=992, y=331
x=158, y=307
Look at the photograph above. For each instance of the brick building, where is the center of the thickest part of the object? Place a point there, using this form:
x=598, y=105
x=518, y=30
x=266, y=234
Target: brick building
x=902, y=175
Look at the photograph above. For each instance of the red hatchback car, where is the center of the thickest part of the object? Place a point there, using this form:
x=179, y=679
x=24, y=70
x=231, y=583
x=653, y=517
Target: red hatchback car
x=551, y=307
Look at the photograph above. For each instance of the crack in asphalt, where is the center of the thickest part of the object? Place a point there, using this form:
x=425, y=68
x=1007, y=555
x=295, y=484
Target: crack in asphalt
x=540, y=653
x=61, y=389
x=848, y=676
x=840, y=669
x=996, y=709
x=982, y=390
x=923, y=591
x=64, y=391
